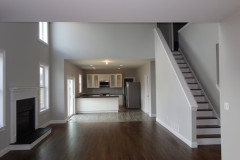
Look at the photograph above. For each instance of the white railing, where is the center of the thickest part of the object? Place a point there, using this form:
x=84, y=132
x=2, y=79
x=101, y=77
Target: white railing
x=184, y=86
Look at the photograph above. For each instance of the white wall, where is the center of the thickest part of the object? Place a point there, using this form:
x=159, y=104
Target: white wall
x=173, y=110
x=198, y=43
x=145, y=70
x=86, y=41
x=230, y=89
x=23, y=53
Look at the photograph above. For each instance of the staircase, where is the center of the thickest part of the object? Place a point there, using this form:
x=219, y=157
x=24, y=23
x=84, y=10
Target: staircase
x=208, y=125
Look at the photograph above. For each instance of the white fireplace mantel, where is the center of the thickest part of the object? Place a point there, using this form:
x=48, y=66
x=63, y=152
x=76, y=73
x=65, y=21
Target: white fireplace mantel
x=19, y=93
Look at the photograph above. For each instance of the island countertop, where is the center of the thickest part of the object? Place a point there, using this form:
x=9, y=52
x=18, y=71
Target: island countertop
x=97, y=96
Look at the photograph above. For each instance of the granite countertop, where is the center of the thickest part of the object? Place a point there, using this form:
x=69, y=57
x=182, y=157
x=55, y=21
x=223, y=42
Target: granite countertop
x=97, y=96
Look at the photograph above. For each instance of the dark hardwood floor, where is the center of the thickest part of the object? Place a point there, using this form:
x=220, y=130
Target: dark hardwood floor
x=144, y=140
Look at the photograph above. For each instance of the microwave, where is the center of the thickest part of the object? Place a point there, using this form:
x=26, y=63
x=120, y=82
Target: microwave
x=104, y=83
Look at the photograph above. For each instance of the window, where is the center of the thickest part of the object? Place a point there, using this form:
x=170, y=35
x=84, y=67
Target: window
x=44, y=88
x=43, y=31
x=80, y=83
x=2, y=91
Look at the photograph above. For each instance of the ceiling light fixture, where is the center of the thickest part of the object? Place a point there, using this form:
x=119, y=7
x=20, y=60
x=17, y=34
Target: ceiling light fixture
x=120, y=65
x=91, y=65
x=119, y=68
x=107, y=61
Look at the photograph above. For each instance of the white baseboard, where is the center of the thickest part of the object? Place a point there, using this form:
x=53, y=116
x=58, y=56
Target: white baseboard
x=4, y=151
x=188, y=142
x=152, y=115
x=53, y=122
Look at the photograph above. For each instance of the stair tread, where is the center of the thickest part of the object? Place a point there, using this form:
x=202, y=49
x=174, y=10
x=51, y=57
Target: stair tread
x=189, y=78
x=196, y=89
x=184, y=67
x=209, y=136
x=199, y=95
x=208, y=126
x=186, y=72
x=202, y=102
x=209, y=117
x=204, y=109
x=192, y=83
x=181, y=63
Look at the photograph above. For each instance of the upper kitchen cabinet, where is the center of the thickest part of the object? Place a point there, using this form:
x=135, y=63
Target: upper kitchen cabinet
x=92, y=81
x=116, y=80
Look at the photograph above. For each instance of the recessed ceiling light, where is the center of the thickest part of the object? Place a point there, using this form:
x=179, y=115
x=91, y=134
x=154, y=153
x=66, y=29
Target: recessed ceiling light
x=121, y=65
x=107, y=61
x=119, y=68
x=91, y=65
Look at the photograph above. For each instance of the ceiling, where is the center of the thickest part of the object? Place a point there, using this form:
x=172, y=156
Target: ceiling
x=113, y=64
x=117, y=10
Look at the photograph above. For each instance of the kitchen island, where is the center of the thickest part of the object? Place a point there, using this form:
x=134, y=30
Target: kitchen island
x=96, y=104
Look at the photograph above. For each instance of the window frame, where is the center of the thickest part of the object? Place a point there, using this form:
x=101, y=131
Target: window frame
x=45, y=86
x=80, y=83
x=3, y=119
x=41, y=30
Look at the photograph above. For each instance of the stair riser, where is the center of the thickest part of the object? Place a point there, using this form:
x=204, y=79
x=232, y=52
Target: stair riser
x=208, y=131
x=203, y=106
x=207, y=122
x=187, y=75
x=176, y=53
x=197, y=92
x=193, y=86
x=208, y=141
x=191, y=80
x=200, y=99
x=178, y=56
x=204, y=113
x=182, y=65
x=180, y=61
x=185, y=70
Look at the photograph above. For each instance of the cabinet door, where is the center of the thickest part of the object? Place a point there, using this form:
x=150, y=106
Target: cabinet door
x=95, y=81
x=112, y=80
x=119, y=80
x=89, y=81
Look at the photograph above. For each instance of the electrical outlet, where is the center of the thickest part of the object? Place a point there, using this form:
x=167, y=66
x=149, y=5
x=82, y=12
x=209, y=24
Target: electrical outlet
x=226, y=106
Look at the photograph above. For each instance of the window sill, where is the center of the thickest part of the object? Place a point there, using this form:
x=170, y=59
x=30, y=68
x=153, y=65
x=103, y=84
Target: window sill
x=44, y=111
x=2, y=129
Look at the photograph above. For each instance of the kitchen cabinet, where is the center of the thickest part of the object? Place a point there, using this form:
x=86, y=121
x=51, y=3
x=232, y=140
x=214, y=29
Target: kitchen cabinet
x=116, y=81
x=92, y=81
x=104, y=77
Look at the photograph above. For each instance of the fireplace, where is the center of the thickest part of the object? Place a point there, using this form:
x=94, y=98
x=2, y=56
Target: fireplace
x=24, y=130
x=25, y=118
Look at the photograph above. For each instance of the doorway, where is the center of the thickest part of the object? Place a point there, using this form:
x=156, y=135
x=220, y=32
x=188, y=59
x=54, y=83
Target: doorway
x=71, y=96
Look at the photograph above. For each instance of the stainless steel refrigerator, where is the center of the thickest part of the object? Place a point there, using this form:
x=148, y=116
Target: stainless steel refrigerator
x=133, y=95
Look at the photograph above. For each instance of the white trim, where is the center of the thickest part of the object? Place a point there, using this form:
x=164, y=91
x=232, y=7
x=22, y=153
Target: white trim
x=4, y=151
x=29, y=146
x=218, y=87
x=152, y=115
x=185, y=26
x=4, y=90
x=53, y=122
x=178, y=135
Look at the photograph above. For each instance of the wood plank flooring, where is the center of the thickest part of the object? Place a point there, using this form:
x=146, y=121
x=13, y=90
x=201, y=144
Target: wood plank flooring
x=138, y=140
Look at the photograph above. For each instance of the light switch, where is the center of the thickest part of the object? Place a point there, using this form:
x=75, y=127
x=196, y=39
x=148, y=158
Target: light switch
x=226, y=106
